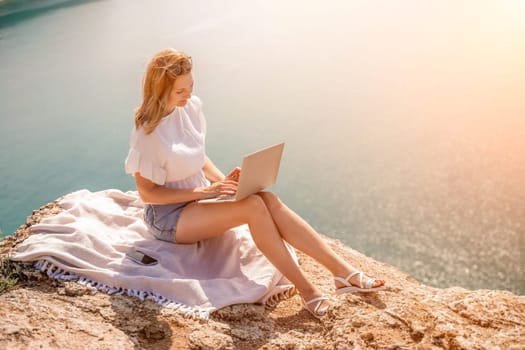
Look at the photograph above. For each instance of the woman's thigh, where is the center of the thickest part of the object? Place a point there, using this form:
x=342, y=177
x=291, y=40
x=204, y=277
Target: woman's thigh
x=200, y=221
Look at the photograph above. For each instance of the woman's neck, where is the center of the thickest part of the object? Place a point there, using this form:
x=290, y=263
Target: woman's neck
x=171, y=110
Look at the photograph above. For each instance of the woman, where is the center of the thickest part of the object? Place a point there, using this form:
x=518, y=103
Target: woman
x=167, y=158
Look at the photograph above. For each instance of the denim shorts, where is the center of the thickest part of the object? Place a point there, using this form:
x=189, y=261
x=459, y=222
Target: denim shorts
x=162, y=219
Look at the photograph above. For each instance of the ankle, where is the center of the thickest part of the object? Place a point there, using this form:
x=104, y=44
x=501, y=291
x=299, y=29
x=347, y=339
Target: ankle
x=309, y=292
x=345, y=271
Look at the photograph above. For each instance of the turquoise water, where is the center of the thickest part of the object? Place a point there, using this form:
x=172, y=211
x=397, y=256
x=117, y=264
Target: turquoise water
x=404, y=121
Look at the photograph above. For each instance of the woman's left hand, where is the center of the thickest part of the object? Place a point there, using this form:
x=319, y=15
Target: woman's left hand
x=234, y=174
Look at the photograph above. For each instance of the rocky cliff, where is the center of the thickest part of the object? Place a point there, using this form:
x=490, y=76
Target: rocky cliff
x=40, y=313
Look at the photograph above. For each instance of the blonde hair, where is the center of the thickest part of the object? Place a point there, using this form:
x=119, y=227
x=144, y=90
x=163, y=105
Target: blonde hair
x=161, y=73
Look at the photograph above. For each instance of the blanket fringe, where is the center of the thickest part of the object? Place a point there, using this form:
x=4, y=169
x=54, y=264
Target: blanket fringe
x=279, y=296
x=57, y=273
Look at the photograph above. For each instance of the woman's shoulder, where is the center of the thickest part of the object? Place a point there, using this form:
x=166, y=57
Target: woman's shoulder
x=195, y=99
x=195, y=102
x=194, y=107
x=194, y=110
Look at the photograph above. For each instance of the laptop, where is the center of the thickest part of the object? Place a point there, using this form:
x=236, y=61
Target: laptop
x=258, y=172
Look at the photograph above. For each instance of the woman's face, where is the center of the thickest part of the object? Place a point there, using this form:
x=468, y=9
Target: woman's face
x=181, y=92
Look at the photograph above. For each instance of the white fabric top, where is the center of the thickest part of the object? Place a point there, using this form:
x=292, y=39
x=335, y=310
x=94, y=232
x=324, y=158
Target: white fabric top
x=173, y=154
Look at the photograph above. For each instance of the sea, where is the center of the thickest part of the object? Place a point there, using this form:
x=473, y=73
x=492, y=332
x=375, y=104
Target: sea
x=404, y=121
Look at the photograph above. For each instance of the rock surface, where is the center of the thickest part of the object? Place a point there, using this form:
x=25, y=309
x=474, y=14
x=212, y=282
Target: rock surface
x=44, y=314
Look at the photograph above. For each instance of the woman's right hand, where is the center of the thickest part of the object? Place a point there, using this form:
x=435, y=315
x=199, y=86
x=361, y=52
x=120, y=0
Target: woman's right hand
x=234, y=174
x=221, y=188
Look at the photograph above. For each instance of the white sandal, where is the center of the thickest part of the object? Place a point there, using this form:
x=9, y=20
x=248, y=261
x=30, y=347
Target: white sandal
x=316, y=312
x=350, y=288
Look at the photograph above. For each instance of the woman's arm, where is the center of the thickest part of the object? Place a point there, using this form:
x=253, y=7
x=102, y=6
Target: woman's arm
x=211, y=172
x=150, y=192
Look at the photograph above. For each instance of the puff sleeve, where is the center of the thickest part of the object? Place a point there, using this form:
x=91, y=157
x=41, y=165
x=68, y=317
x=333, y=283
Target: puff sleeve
x=145, y=156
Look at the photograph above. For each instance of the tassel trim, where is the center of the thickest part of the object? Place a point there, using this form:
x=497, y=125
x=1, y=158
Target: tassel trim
x=283, y=293
x=57, y=273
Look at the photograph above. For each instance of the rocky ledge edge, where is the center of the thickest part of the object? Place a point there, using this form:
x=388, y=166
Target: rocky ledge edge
x=40, y=313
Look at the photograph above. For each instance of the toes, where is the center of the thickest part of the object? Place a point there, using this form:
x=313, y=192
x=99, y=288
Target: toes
x=378, y=283
x=354, y=281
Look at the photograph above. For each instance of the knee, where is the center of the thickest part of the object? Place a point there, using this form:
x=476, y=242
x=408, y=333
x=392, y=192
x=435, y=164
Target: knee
x=254, y=205
x=271, y=200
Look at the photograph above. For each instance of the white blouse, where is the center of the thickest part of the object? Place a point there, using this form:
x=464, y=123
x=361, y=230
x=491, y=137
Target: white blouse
x=173, y=154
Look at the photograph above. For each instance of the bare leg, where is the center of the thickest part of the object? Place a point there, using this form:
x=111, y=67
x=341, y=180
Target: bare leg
x=302, y=236
x=201, y=221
